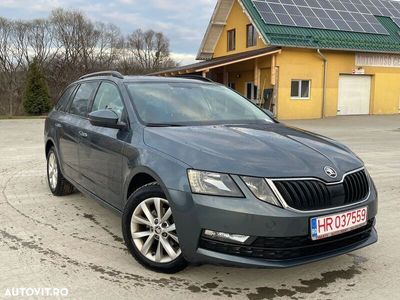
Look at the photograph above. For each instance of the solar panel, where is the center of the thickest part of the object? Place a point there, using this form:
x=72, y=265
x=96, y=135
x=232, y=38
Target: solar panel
x=397, y=21
x=344, y=15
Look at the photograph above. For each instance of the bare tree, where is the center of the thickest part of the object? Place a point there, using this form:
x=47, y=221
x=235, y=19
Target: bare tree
x=12, y=54
x=67, y=45
x=41, y=41
x=108, y=46
x=5, y=59
x=73, y=33
x=126, y=61
x=66, y=28
x=150, y=49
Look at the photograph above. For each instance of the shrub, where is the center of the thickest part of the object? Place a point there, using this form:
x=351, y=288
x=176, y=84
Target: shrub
x=37, y=99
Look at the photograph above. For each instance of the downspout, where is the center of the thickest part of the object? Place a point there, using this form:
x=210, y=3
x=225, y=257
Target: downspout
x=324, y=82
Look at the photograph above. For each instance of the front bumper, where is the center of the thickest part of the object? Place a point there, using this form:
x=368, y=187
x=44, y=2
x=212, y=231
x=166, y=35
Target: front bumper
x=301, y=250
x=252, y=217
x=207, y=256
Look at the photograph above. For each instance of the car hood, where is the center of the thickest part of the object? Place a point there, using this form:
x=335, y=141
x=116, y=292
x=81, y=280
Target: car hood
x=272, y=150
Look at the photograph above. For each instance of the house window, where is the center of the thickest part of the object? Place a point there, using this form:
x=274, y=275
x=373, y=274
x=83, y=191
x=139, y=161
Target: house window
x=232, y=85
x=232, y=40
x=251, y=36
x=251, y=91
x=300, y=89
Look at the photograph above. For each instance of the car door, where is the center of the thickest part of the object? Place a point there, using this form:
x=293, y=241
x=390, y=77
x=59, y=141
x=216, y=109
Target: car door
x=101, y=150
x=61, y=138
x=70, y=129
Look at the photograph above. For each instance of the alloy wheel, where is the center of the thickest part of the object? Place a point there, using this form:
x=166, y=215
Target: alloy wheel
x=154, y=231
x=53, y=171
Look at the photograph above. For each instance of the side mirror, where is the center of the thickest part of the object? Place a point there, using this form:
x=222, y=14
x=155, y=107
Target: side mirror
x=269, y=113
x=106, y=118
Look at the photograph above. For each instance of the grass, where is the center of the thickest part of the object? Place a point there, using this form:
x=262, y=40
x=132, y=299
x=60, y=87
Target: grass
x=2, y=117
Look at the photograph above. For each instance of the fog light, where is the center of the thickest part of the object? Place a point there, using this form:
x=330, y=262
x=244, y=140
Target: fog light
x=228, y=237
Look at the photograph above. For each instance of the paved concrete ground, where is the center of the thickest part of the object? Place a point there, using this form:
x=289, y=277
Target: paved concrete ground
x=75, y=243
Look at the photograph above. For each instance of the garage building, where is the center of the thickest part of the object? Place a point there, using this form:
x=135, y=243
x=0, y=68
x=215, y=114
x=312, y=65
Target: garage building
x=305, y=59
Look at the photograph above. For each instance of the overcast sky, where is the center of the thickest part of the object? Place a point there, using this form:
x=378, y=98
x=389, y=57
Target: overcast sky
x=183, y=21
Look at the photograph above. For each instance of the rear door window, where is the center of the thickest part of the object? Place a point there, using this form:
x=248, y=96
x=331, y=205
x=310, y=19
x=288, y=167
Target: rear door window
x=64, y=99
x=82, y=98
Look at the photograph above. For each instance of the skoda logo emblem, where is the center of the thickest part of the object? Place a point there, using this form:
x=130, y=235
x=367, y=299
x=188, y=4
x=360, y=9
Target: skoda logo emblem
x=331, y=172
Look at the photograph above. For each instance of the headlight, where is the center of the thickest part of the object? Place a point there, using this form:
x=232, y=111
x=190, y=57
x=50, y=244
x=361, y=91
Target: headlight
x=261, y=190
x=217, y=184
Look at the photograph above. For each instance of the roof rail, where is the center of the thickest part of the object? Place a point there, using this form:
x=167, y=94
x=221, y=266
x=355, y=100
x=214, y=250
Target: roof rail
x=195, y=77
x=104, y=73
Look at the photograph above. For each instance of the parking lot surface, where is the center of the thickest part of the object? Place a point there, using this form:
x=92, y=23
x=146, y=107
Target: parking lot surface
x=73, y=242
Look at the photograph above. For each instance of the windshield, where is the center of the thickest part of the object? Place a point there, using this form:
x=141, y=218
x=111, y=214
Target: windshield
x=165, y=103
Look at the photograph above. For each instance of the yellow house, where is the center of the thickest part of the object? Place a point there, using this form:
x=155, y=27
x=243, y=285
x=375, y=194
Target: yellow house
x=287, y=56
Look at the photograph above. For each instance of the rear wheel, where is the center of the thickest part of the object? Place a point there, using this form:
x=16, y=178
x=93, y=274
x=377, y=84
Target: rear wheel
x=58, y=185
x=150, y=232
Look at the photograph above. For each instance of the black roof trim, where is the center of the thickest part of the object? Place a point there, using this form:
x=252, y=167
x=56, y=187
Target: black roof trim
x=195, y=77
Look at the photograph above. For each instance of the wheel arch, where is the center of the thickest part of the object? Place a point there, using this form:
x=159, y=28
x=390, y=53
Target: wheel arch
x=140, y=177
x=49, y=144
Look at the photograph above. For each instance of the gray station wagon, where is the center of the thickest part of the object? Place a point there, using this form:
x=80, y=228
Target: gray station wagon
x=202, y=175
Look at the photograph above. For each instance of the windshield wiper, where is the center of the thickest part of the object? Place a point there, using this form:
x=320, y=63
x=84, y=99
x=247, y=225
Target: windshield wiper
x=163, y=125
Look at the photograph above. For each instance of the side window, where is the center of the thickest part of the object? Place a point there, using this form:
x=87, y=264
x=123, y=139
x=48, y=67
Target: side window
x=64, y=99
x=108, y=97
x=80, y=103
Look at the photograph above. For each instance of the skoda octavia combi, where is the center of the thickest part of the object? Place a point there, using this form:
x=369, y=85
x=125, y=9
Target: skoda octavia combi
x=202, y=175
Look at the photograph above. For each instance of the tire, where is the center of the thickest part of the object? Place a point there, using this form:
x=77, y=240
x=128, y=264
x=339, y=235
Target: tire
x=156, y=244
x=58, y=185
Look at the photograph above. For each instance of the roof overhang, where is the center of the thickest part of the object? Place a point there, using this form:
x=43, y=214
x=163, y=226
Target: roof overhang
x=219, y=62
x=215, y=29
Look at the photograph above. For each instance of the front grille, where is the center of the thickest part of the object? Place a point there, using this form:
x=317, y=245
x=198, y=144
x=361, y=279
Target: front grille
x=313, y=194
x=356, y=187
x=285, y=248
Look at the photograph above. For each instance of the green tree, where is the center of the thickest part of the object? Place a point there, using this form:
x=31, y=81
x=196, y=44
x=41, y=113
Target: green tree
x=37, y=99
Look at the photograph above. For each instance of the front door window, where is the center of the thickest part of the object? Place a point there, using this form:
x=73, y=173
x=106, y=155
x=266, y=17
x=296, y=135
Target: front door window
x=108, y=97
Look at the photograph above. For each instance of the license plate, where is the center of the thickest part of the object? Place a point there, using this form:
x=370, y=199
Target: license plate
x=327, y=226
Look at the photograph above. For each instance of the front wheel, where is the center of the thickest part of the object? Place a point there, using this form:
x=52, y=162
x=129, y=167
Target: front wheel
x=149, y=230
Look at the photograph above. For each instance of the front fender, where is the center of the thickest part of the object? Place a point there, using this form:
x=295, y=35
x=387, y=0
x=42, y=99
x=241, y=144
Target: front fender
x=168, y=172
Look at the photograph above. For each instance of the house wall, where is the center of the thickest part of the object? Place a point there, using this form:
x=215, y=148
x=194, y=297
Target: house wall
x=302, y=65
x=306, y=64
x=386, y=90
x=237, y=20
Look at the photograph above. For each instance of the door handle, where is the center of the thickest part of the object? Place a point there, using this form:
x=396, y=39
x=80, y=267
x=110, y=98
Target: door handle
x=83, y=134
x=58, y=125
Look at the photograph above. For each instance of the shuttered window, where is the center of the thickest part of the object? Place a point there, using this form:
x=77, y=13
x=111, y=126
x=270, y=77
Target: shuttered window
x=251, y=36
x=232, y=40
